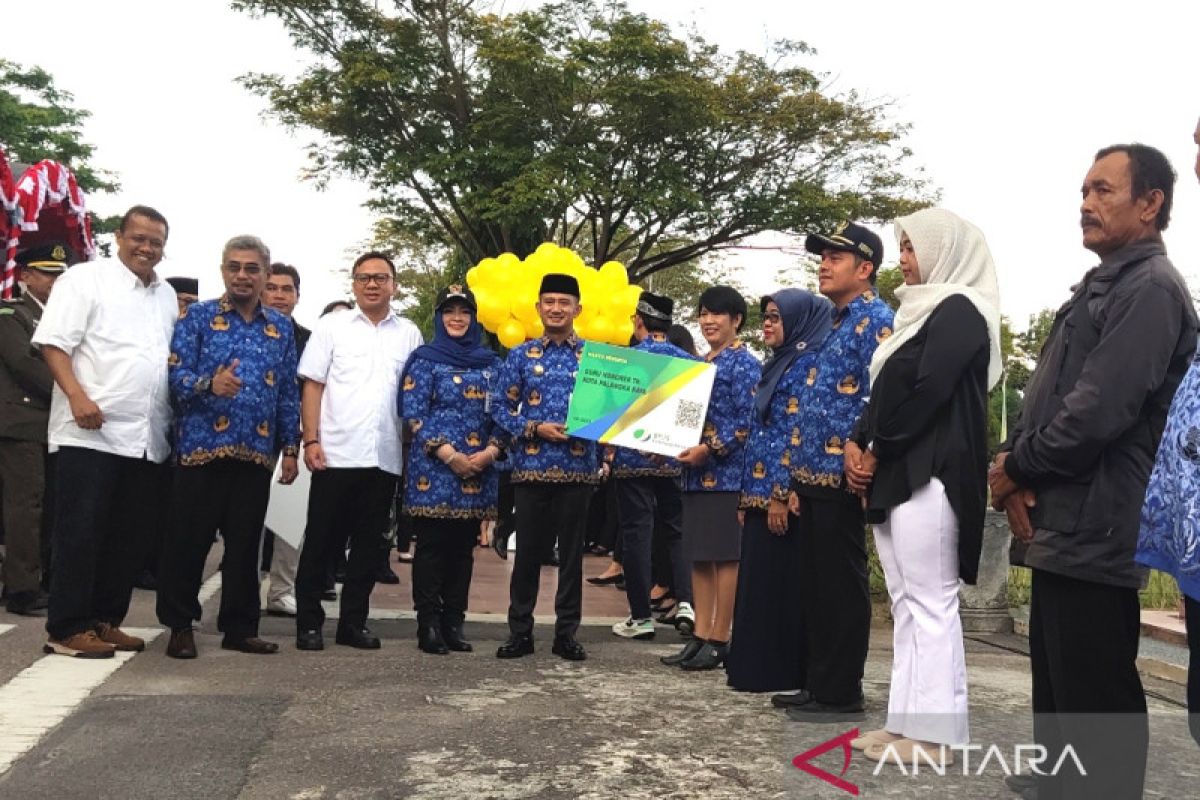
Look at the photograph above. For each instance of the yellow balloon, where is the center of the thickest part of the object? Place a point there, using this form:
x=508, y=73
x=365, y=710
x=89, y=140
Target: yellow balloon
x=629, y=297
x=511, y=333
x=623, y=333
x=507, y=260
x=474, y=276
x=546, y=249
x=523, y=305
x=493, y=309
x=583, y=327
x=601, y=329
x=613, y=275
x=535, y=329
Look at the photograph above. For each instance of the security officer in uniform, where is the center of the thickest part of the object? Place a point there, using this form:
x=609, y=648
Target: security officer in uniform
x=25, y=386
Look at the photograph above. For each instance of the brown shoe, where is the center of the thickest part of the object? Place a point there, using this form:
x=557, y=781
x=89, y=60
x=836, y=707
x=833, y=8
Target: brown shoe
x=119, y=638
x=253, y=645
x=182, y=644
x=82, y=645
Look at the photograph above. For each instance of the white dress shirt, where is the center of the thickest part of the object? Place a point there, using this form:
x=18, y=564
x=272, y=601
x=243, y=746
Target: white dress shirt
x=117, y=332
x=360, y=364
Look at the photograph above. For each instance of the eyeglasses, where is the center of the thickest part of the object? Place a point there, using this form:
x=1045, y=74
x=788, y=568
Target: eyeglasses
x=772, y=318
x=233, y=268
x=379, y=278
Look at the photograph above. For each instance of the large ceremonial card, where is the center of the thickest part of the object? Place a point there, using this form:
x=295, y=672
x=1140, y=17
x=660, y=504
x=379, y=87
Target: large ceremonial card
x=630, y=398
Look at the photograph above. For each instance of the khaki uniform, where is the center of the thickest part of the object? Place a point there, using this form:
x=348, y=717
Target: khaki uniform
x=25, y=386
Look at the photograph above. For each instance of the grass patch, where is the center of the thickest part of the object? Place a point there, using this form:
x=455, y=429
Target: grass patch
x=1161, y=590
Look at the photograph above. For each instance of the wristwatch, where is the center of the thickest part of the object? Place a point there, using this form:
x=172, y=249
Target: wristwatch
x=203, y=384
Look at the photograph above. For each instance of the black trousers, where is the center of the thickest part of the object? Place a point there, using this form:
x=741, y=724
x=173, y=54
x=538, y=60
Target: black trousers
x=547, y=512
x=101, y=524
x=834, y=584
x=1192, y=614
x=506, y=514
x=442, y=567
x=349, y=503
x=229, y=496
x=644, y=504
x=1083, y=645
x=23, y=479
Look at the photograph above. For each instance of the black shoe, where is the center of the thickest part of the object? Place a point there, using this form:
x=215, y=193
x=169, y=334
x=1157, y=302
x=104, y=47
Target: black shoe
x=566, y=647
x=385, y=575
x=310, y=640
x=146, y=580
x=792, y=699
x=429, y=639
x=1019, y=784
x=452, y=635
x=329, y=595
x=362, y=638
x=601, y=580
x=690, y=649
x=515, y=647
x=710, y=656
x=819, y=711
x=660, y=603
x=250, y=644
x=500, y=545
x=27, y=604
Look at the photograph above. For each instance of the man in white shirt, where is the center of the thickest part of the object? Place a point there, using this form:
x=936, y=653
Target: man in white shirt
x=351, y=440
x=105, y=336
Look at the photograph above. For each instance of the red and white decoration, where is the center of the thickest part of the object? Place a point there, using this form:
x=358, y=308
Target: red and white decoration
x=44, y=204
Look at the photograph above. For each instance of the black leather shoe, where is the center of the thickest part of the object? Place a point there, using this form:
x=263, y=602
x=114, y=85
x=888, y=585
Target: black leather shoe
x=429, y=639
x=310, y=640
x=566, y=647
x=515, y=647
x=818, y=711
x=182, y=644
x=27, y=604
x=792, y=699
x=690, y=649
x=452, y=635
x=500, y=545
x=609, y=580
x=362, y=638
x=710, y=656
x=251, y=644
x=385, y=575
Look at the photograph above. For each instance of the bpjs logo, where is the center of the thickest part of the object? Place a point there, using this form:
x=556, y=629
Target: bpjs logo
x=974, y=760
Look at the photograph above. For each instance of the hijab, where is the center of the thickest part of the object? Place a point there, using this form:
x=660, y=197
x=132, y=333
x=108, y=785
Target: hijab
x=462, y=352
x=807, y=319
x=953, y=258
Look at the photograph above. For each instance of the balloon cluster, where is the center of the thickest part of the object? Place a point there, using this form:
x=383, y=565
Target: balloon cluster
x=506, y=293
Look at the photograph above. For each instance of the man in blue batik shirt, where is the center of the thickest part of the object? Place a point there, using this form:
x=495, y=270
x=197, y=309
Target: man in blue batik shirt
x=833, y=563
x=554, y=474
x=232, y=375
x=648, y=491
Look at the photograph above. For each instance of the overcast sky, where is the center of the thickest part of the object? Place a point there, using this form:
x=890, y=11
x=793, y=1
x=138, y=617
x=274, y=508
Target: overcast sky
x=1007, y=102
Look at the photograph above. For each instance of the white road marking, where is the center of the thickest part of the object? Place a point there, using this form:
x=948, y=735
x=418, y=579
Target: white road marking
x=41, y=696
x=210, y=587
x=5, y=628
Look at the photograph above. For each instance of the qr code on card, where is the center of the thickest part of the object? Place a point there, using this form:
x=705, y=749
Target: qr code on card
x=689, y=414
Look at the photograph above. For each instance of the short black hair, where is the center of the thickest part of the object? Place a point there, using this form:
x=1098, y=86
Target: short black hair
x=346, y=304
x=681, y=337
x=279, y=268
x=147, y=212
x=654, y=324
x=373, y=254
x=724, y=300
x=1149, y=169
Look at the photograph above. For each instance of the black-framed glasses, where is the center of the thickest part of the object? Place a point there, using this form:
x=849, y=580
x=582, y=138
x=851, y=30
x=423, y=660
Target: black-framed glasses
x=233, y=268
x=378, y=278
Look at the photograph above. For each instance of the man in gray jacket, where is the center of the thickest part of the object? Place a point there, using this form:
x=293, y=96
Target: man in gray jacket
x=1073, y=474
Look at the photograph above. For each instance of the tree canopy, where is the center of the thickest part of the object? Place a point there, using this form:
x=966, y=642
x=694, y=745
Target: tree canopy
x=578, y=122
x=38, y=120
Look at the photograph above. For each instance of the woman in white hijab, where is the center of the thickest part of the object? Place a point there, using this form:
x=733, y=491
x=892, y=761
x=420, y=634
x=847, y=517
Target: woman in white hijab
x=919, y=457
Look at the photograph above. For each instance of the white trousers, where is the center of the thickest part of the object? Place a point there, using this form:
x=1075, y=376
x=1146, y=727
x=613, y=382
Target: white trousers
x=285, y=562
x=918, y=548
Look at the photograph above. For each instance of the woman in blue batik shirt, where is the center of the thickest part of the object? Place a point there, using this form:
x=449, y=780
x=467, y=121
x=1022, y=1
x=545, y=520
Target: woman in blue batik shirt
x=1169, y=539
x=767, y=652
x=451, y=483
x=713, y=480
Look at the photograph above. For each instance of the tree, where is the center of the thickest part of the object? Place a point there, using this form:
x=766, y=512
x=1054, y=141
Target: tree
x=38, y=120
x=886, y=282
x=578, y=122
